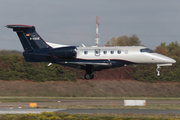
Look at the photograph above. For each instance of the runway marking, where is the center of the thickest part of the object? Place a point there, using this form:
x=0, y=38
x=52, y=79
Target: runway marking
x=25, y=111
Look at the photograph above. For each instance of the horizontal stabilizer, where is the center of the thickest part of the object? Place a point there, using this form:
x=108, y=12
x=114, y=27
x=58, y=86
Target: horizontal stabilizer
x=19, y=26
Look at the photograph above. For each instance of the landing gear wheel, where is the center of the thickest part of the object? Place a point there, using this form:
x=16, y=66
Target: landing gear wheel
x=87, y=76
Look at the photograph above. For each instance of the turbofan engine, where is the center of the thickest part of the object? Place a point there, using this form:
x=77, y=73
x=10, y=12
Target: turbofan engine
x=64, y=52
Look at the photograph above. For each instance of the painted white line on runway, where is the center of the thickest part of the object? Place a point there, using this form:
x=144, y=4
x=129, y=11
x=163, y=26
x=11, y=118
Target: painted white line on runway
x=25, y=111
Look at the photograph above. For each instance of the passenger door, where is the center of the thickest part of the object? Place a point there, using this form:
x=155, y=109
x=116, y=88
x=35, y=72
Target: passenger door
x=97, y=52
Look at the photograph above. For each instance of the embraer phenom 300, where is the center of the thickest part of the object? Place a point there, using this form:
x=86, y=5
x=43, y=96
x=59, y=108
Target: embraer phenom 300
x=90, y=59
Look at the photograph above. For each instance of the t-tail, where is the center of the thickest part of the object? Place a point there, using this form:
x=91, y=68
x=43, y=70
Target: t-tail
x=29, y=37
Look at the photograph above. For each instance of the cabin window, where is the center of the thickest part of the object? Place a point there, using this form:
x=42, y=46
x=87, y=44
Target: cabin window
x=118, y=52
x=105, y=52
x=85, y=52
x=147, y=50
x=112, y=52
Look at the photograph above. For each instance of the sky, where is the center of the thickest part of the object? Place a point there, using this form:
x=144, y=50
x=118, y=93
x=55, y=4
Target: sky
x=72, y=22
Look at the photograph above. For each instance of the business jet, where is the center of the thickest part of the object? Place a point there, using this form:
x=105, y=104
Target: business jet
x=90, y=59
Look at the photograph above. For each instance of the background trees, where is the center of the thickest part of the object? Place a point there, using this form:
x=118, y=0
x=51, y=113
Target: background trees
x=14, y=67
x=124, y=41
x=147, y=73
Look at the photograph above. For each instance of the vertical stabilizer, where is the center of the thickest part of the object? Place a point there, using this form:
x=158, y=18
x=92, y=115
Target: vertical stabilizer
x=29, y=37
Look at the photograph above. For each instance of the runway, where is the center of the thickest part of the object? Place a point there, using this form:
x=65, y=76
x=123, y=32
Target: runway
x=121, y=111
x=5, y=107
x=90, y=111
x=46, y=103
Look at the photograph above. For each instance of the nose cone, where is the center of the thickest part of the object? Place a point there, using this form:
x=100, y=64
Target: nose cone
x=170, y=60
x=163, y=59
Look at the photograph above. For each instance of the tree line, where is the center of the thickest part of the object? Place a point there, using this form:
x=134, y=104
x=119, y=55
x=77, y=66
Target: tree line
x=14, y=67
x=147, y=73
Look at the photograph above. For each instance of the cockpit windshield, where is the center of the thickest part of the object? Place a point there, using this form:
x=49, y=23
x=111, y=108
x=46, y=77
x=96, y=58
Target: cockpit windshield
x=147, y=50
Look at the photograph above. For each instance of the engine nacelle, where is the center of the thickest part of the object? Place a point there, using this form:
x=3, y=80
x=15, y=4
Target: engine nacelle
x=64, y=52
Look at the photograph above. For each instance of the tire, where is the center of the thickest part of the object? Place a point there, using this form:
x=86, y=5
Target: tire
x=87, y=76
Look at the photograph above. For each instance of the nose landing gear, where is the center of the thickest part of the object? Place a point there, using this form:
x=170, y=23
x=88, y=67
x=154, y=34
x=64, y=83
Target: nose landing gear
x=158, y=70
x=159, y=66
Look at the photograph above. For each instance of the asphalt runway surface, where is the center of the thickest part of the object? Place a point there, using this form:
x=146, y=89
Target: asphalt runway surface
x=90, y=111
x=12, y=108
x=84, y=102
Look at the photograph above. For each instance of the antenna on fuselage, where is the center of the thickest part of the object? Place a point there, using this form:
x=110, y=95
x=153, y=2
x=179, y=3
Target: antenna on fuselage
x=97, y=34
x=83, y=45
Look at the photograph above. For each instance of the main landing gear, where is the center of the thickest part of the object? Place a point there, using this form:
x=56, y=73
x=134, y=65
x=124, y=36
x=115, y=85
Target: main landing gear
x=89, y=76
x=89, y=73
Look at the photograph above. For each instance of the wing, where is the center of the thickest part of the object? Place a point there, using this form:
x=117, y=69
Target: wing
x=90, y=63
x=82, y=65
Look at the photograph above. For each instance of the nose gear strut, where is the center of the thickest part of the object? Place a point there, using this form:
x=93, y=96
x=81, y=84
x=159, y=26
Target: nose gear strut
x=158, y=70
x=159, y=66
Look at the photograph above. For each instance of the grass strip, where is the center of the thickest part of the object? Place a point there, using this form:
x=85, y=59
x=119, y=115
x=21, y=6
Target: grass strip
x=64, y=116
